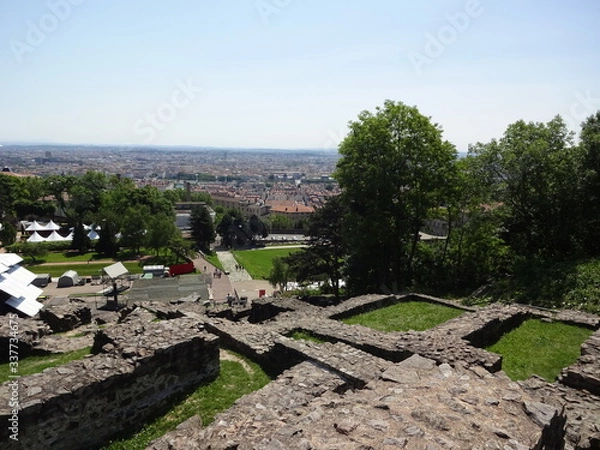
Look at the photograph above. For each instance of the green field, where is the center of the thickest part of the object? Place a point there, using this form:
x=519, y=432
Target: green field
x=82, y=269
x=207, y=401
x=539, y=348
x=36, y=364
x=404, y=316
x=258, y=263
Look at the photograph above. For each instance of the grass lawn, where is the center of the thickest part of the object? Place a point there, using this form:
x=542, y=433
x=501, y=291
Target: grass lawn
x=207, y=401
x=214, y=260
x=404, y=316
x=258, y=263
x=35, y=364
x=302, y=335
x=82, y=269
x=539, y=348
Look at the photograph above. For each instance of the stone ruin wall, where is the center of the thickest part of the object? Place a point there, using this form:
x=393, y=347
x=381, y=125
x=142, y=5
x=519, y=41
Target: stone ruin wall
x=141, y=367
x=325, y=396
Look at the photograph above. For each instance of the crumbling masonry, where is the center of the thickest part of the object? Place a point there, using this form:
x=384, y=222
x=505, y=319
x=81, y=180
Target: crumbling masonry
x=361, y=389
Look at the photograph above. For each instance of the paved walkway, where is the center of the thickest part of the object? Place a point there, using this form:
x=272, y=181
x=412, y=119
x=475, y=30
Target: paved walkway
x=230, y=265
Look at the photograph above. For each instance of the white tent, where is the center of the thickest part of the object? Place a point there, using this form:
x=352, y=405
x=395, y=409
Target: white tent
x=52, y=226
x=69, y=237
x=55, y=237
x=93, y=235
x=35, y=237
x=68, y=279
x=35, y=226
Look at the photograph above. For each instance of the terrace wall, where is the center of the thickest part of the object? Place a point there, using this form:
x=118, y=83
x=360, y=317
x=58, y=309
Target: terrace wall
x=141, y=369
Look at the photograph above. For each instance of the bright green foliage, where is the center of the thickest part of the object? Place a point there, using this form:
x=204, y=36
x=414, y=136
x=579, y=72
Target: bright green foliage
x=280, y=222
x=207, y=401
x=532, y=169
x=36, y=364
x=539, y=348
x=393, y=170
x=302, y=335
x=404, y=316
x=33, y=250
x=279, y=276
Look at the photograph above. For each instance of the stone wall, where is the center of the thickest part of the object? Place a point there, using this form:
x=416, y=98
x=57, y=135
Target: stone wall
x=140, y=370
x=31, y=331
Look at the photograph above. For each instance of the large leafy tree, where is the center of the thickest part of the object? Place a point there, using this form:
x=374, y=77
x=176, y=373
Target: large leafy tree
x=534, y=169
x=393, y=170
x=590, y=181
x=203, y=228
x=161, y=231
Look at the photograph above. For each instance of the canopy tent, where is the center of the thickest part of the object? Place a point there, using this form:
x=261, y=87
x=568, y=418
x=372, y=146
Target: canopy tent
x=35, y=237
x=115, y=270
x=68, y=279
x=55, y=237
x=93, y=235
x=52, y=226
x=69, y=237
x=35, y=226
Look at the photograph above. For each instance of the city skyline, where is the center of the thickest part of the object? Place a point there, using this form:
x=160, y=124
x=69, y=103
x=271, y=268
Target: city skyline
x=279, y=74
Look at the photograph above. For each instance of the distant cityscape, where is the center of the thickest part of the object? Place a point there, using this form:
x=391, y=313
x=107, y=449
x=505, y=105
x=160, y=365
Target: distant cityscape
x=290, y=183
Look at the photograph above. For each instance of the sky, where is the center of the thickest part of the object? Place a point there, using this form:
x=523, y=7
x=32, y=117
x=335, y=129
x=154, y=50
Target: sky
x=288, y=73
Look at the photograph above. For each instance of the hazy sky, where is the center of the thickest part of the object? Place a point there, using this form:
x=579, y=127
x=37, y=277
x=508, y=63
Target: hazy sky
x=288, y=73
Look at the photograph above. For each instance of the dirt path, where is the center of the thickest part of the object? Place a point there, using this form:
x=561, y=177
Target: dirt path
x=228, y=356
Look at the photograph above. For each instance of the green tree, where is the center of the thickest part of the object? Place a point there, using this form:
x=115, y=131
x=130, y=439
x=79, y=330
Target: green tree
x=181, y=247
x=203, y=228
x=279, y=276
x=33, y=250
x=393, y=170
x=229, y=227
x=161, y=230
x=257, y=227
x=281, y=222
x=134, y=227
x=323, y=258
x=590, y=182
x=8, y=233
x=107, y=241
x=534, y=169
x=80, y=241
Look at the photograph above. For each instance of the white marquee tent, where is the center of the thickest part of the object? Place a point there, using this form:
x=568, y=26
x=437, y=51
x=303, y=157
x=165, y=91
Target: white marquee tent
x=55, y=237
x=35, y=226
x=35, y=237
